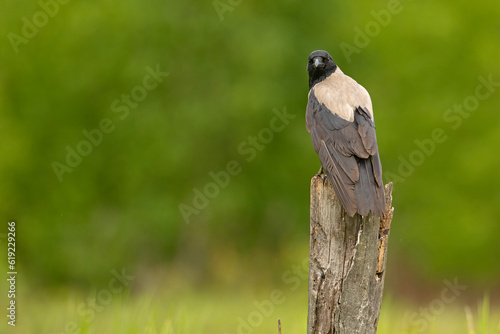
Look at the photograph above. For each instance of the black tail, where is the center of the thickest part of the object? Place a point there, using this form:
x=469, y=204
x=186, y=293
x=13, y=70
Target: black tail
x=369, y=190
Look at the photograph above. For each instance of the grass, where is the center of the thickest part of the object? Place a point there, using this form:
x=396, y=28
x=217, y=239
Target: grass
x=483, y=320
x=225, y=311
x=455, y=318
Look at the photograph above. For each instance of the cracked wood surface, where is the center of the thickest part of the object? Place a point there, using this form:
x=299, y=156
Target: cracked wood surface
x=347, y=259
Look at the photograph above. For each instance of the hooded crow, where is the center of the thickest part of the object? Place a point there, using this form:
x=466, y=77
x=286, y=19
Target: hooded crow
x=339, y=118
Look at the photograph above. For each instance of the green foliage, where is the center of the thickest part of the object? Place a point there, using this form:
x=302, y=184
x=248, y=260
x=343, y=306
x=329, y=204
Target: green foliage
x=119, y=207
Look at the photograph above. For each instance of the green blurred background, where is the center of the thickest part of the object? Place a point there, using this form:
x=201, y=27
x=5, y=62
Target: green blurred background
x=228, y=71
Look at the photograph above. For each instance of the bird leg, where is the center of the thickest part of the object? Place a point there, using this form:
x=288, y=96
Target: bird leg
x=321, y=173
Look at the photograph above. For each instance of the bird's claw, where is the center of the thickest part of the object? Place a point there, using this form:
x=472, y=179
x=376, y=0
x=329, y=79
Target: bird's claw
x=321, y=174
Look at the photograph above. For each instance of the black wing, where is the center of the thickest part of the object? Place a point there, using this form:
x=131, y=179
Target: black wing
x=348, y=152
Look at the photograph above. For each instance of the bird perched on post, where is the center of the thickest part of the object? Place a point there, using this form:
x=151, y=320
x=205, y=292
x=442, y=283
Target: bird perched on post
x=339, y=118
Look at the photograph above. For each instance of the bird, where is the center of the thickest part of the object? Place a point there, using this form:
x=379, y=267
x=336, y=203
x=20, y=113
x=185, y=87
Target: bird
x=339, y=118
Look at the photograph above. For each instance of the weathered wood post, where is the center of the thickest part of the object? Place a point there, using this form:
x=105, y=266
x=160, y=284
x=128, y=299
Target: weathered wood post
x=347, y=260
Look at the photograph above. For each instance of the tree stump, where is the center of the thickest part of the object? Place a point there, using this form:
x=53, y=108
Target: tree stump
x=347, y=259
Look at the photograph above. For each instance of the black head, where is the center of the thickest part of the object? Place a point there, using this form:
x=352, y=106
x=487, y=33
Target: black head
x=319, y=65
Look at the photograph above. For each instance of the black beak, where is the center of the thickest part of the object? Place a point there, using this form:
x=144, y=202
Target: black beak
x=318, y=62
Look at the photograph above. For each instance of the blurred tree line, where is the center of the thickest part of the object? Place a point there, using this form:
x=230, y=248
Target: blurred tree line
x=234, y=67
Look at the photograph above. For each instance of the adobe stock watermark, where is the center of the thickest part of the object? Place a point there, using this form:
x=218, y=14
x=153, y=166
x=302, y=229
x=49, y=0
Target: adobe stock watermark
x=372, y=29
x=453, y=117
x=248, y=149
x=263, y=309
x=97, y=301
x=31, y=27
x=419, y=321
x=223, y=6
x=121, y=107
